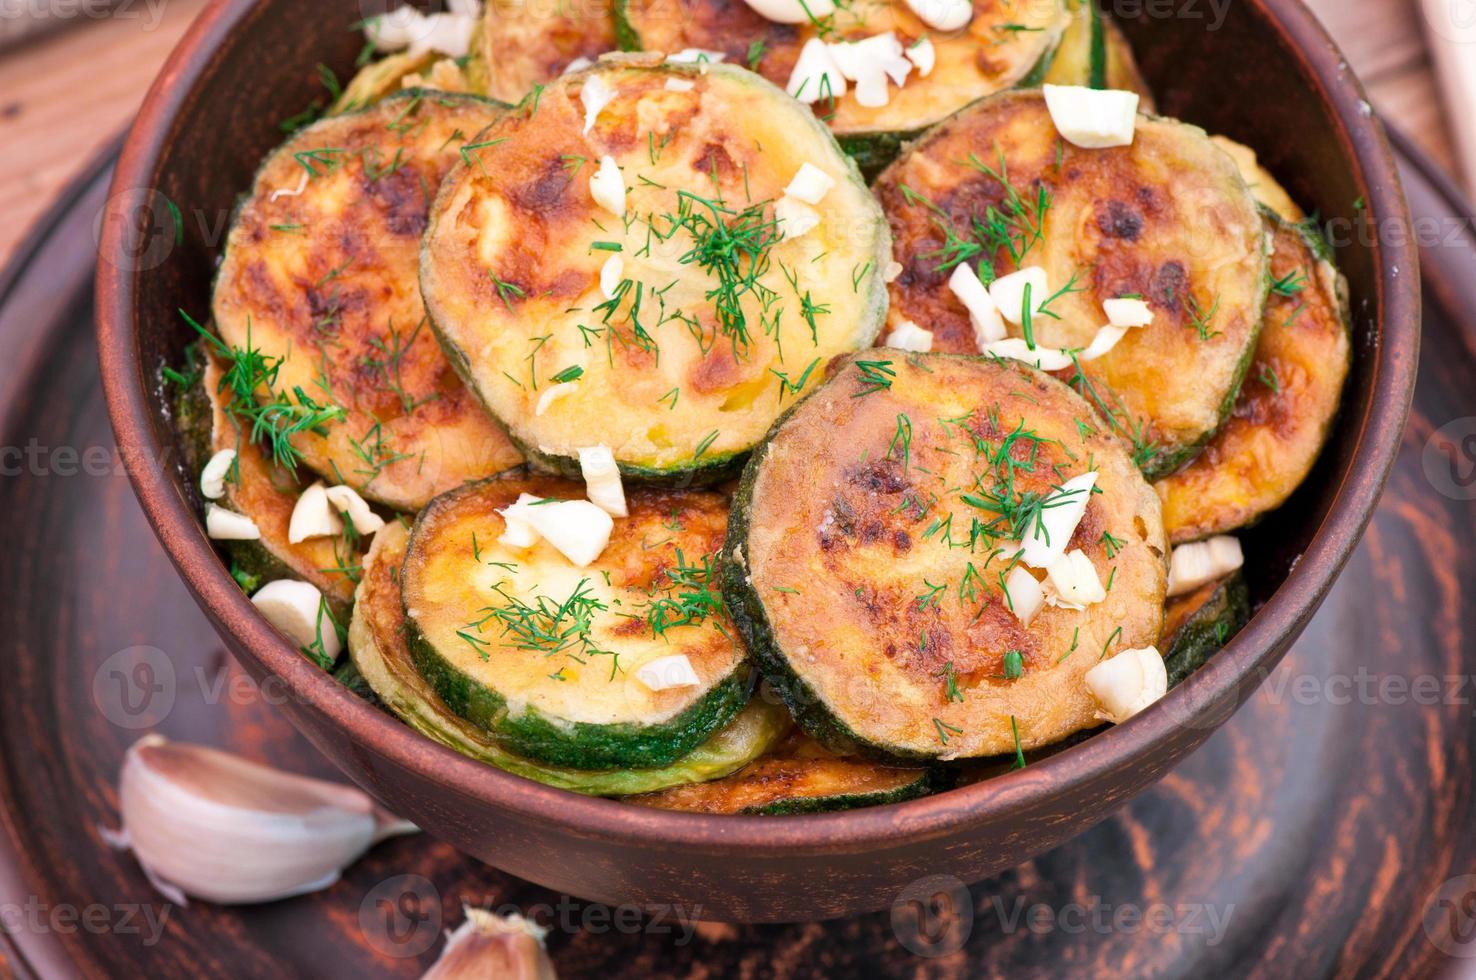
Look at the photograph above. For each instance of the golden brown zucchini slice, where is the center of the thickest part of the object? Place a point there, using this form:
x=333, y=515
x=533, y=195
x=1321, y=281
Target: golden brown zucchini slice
x=1168, y=219
x=377, y=649
x=799, y=776
x=713, y=323
x=524, y=44
x=1286, y=407
x=265, y=492
x=320, y=271
x=1198, y=624
x=873, y=533
x=1265, y=187
x=1006, y=44
x=547, y=657
x=1094, y=53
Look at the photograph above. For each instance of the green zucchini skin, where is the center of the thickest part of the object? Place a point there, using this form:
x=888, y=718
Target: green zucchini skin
x=928, y=782
x=578, y=746
x=1205, y=625
x=378, y=652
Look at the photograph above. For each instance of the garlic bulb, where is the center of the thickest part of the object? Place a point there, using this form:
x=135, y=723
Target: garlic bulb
x=488, y=945
x=214, y=826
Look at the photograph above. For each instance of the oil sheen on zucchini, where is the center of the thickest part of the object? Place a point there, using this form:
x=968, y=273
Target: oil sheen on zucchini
x=525, y=44
x=1197, y=625
x=713, y=324
x=377, y=649
x=799, y=776
x=320, y=271
x=866, y=559
x=1006, y=44
x=1094, y=53
x=1168, y=219
x=1286, y=407
x=264, y=492
x=543, y=656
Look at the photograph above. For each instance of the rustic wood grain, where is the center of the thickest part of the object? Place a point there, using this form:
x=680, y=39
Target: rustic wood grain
x=63, y=97
x=1317, y=831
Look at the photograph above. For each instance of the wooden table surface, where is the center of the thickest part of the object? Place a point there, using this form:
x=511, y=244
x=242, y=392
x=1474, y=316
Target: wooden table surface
x=64, y=96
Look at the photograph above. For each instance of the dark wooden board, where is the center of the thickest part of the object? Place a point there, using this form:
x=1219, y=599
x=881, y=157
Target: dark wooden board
x=1309, y=837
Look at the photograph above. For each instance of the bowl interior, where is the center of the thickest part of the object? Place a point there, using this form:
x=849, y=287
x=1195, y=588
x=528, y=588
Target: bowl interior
x=1264, y=74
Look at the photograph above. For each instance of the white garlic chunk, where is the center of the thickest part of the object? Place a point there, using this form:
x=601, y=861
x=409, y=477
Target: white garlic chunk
x=298, y=610
x=602, y=483
x=346, y=500
x=227, y=525
x=1202, y=562
x=1128, y=683
x=213, y=474
x=312, y=516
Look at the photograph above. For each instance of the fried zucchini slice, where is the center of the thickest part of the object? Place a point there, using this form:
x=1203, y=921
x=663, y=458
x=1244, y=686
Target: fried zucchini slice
x=320, y=271
x=544, y=656
x=1286, y=407
x=525, y=45
x=1197, y=625
x=871, y=536
x=1168, y=219
x=378, y=651
x=1003, y=46
x=800, y=776
x=1265, y=187
x=1094, y=53
x=262, y=490
x=713, y=321
x=382, y=78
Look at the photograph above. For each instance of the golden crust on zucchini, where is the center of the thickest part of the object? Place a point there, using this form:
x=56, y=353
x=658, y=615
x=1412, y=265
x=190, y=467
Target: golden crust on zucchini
x=872, y=561
x=525, y=44
x=321, y=271
x=1167, y=219
x=1285, y=409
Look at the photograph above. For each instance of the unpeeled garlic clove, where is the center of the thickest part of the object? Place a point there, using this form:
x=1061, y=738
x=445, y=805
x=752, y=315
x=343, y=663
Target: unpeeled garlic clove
x=488, y=945
x=215, y=826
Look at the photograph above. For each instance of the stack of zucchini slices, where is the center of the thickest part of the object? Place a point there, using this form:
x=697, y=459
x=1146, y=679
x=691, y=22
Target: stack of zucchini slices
x=492, y=341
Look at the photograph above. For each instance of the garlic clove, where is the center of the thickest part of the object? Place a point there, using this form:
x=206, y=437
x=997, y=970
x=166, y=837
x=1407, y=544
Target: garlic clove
x=667, y=672
x=1008, y=293
x=578, y=529
x=518, y=532
x=810, y=184
x=1023, y=594
x=346, y=500
x=607, y=188
x=795, y=217
x=595, y=94
x=909, y=336
x=816, y=76
x=988, y=325
x=1128, y=683
x=1061, y=511
x=227, y=525
x=312, y=516
x=217, y=827
x=602, y=484
x=924, y=55
x=1040, y=358
x=612, y=273
x=1104, y=341
x=300, y=612
x=1126, y=311
x=508, y=947
x=213, y=474
x=551, y=395
x=1202, y=562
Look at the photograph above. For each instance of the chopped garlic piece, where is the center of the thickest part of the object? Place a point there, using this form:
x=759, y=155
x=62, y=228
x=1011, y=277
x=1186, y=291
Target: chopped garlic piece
x=1104, y=341
x=1008, y=293
x=680, y=85
x=924, y=55
x=1061, y=511
x=1040, y=358
x=892, y=271
x=910, y=337
x=870, y=63
x=1023, y=594
x=552, y=395
x=298, y=610
x=1074, y=579
x=395, y=30
x=696, y=56
x=577, y=65
x=517, y=532
x=577, y=528
x=943, y=15
x=346, y=500
x=607, y=186
x=1202, y=562
x=612, y=274
x=810, y=184
x=312, y=517
x=602, y=480
x=795, y=218
x=213, y=475
x=792, y=11
x=1128, y=683
x=596, y=93
x=667, y=672
x=1090, y=118
x=227, y=525
x=447, y=34
x=983, y=314
x=1127, y=312
x=815, y=76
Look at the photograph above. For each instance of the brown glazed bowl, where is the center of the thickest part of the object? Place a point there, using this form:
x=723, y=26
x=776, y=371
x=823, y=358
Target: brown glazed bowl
x=1267, y=75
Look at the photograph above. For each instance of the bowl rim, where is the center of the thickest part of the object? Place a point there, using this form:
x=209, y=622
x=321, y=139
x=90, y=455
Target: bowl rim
x=1226, y=678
